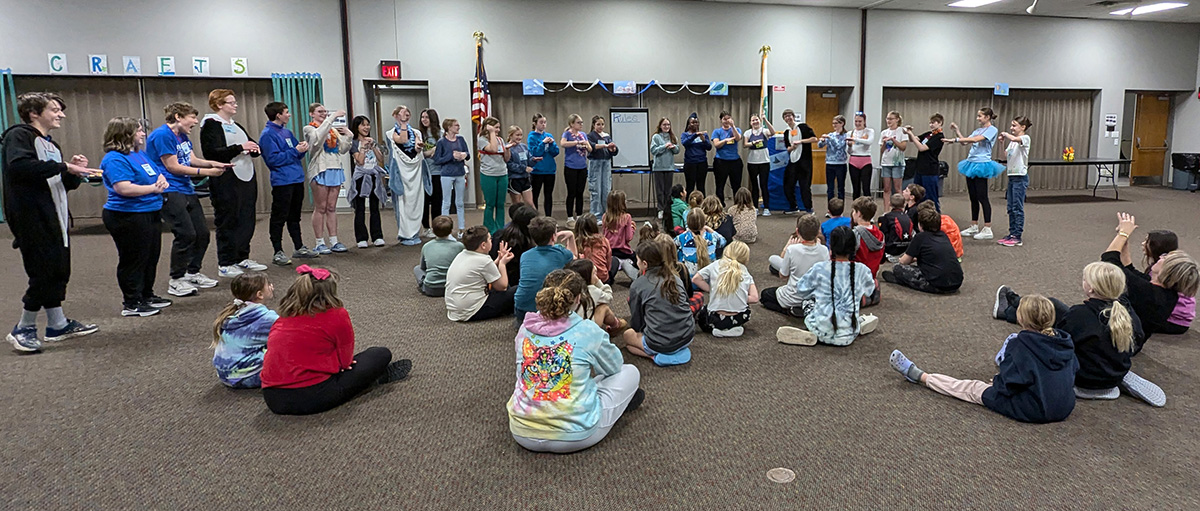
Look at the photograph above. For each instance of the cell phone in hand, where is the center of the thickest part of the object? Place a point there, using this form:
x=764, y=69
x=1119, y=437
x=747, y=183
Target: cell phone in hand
x=339, y=122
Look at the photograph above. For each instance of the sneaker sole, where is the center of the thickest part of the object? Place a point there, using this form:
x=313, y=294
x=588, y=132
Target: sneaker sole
x=173, y=292
x=72, y=335
x=160, y=305
x=869, y=323
x=283, y=263
x=996, y=310
x=205, y=285
x=130, y=314
x=1144, y=389
x=256, y=268
x=795, y=336
x=17, y=346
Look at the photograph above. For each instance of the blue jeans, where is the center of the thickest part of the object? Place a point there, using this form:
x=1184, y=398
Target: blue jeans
x=459, y=184
x=599, y=185
x=1016, y=204
x=931, y=185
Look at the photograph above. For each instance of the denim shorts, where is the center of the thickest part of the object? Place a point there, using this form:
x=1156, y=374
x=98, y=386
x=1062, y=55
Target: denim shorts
x=891, y=171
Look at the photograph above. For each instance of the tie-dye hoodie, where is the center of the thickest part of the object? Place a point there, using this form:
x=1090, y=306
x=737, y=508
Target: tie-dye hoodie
x=555, y=394
x=239, y=356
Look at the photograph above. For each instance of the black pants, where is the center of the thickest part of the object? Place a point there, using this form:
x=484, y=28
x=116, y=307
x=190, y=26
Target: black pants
x=576, y=183
x=910, y=276
x=547, y=181
x=498, y=304
x=694, y=175
x=47, y=264
x=1014, y=300
x=433, y=202
x=360, y=222
x=770, y=301
x=233, y=203
x=798, y=173
x=139, y=241
x=663, y=181
x=730, y=170
x=977, y=189
x=860, y=181
x=186, y=217
x=286, y=201
x=340, y=388
x=759, y=172
x=708, y=320
x=835, y=180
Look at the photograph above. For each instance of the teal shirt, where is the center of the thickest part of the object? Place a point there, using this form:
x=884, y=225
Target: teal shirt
x=536, y=263
x=664, y=159
x=436, y=257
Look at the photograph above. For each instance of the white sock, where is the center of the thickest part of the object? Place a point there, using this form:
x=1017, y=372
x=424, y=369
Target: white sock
x=320, y=241
x=333, y=240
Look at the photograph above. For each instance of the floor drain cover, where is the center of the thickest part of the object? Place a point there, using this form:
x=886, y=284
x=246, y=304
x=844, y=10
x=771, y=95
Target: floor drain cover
x=781, y=475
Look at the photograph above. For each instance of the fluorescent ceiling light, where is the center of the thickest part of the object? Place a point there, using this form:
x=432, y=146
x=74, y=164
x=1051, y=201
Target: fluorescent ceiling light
x=971, y=3
x=1147, y=9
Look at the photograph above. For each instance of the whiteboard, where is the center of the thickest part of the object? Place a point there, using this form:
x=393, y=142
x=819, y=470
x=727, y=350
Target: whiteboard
x=631, y=132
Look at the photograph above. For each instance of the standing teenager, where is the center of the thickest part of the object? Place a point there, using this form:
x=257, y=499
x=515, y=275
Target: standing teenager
x=696, y=146
x=892, y=143
x=599, y=166
x=542, y=150
x=663, y=148
x=519, y=167
x=798, y=139
x=860, y=156
x=978, y=168
x=452, y=154
x=170, y=152
x=233, y=194
x=36, y=181
x=758, y=158
x=407, y=176
x=431, y=131
x=493, y=173
x=836, y=158
x=575, y=165
x=929, y=147
x=368, y=183
x=327, y=173
x=284, y=156
x=1018, y=178
x=727, y=164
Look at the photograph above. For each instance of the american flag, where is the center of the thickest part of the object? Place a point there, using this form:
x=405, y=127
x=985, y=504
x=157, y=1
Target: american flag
x=481, y=95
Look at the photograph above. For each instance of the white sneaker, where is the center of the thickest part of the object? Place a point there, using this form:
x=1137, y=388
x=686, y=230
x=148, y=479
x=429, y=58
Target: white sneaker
x=428, y=233
x=229, y=272
x=892, y=259
x=181, y=287
x=379, y=242
x=795, y=336
x=971, y=231
x=766, y=212
x=867, y=323
x=200, y=280
x=362, y=244
x=252, y=265
x=985, y=234
x=660, y=215
x=736, y=331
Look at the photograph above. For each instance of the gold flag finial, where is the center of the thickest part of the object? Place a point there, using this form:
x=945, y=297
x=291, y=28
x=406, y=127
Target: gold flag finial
x=478, y=36
x=765, y=49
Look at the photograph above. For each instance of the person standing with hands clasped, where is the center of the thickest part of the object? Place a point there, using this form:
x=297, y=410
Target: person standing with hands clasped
x=451, y=154
x=860, y=156
x=892, y=142
x=233, y=194
x=407, y=177
x=368, y=183
x=663, y=149
x=36, y=181
x=326, y=173
x=978, y=168
x=836, y=158
x=1018, y=178
x=695, y=155
x=542, y=150
x=600, y=166
x=284, y=157
x=929, y=145
x=575, y=166
x=798, y=139
x=493, y=173
x=727, y=165
x=170, y=152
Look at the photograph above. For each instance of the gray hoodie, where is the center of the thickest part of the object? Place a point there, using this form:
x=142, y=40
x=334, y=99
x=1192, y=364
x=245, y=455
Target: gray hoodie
x=667, y=326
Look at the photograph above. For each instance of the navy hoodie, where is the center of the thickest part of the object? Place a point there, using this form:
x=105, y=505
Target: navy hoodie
x=1036, y=380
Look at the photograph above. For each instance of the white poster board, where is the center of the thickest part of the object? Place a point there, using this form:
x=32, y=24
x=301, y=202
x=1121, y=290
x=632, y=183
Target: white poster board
x=630, y=128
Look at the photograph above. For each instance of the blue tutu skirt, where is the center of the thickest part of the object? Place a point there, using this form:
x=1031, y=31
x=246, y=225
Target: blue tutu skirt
x=987, y=169
x=330, y=177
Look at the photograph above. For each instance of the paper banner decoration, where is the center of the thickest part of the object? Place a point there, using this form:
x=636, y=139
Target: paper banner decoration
x=200, y=66
x=718, y=89
x=533, y=88
x=166, y=66
x=624, y=87
x=98, y=64
x=132, y=65
x=238, y=64
x=58, y=62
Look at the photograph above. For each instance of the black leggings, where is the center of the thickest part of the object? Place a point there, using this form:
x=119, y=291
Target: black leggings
x=340, y=388
x=543, y=180
x=727, y=170
x=977, y=189
x=576, y=183
x=361, y=232
x=286, y=201
x=498, y=304
x=860, y=181
x=233, y=203
x=759, y=172
x=694, y=175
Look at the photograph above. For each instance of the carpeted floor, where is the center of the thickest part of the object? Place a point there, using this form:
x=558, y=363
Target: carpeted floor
x=133, y=417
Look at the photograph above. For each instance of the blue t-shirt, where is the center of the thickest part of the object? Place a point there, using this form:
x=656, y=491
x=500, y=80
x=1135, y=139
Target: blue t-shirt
x=828, y=226
x=135, y=168
x=982, y=150
x=164, y=141
x=728, y=151
x=536, y=263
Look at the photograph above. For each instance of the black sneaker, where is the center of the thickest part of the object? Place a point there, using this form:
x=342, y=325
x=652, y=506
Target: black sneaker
x=72, y=330
x=888, y=276
x=158, y=302
x=396, y=371
x=635, y=401
x=140, y=310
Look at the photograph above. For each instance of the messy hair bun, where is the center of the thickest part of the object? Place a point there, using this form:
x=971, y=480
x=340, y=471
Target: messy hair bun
x=559, y=292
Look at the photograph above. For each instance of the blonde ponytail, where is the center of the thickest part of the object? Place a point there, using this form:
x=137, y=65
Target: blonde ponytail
x=732, y=269
x=1108, y=283
x=1120, y=326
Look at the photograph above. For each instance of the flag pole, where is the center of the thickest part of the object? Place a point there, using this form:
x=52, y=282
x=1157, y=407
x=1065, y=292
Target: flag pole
x=763, y=107
x=477, y=122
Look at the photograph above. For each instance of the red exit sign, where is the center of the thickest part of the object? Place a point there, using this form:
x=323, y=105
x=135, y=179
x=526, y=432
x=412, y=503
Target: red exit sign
x=389, y=69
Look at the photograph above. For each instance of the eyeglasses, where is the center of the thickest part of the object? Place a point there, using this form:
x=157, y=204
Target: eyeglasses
x=232, y=102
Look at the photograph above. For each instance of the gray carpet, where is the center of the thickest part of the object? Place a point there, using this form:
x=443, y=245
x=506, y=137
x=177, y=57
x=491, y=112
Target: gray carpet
x=133, y=417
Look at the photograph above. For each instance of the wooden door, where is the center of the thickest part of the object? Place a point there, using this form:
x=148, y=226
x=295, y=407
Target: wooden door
x=819, y=112
x=1150, y=134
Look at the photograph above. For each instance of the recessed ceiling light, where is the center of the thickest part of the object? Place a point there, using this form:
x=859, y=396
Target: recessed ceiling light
x=1147, y=9
x=971, y=3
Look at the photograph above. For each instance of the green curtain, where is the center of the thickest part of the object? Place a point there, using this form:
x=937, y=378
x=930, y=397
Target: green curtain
x=297, y=91
x=8, y=116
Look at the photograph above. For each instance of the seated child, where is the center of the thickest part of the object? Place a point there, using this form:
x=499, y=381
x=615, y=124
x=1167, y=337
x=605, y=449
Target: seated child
x=836, y=289
x=800, y=254
x=897, y=229
x=745, y=217
x=1161, y=300
x=311, y=366
x=436, y=257
x=595, y=303
x=949, y=227
x=836, y=208
x=1159, y=243
x=1037, y=371
x=718, y=220
x=477, y=285
x=694, y=199
x=1105, y=332
x=540, y=260
x=929, y=264
x=240, y=332
x=661, y=324
x=913, y=194
x=571, y=386
x=731, y=291
x=699, y=243
x=618, y=230
x=593, y=246
x=679, y=208
x=870, y=241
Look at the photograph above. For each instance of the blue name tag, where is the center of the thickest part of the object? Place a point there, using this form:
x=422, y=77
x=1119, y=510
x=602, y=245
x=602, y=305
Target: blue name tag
x=289, y=142
x=230, y=128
